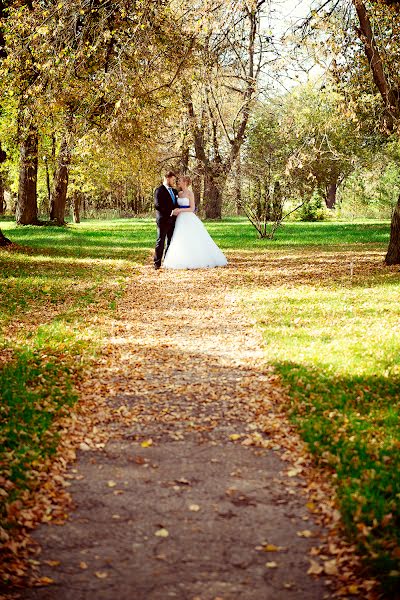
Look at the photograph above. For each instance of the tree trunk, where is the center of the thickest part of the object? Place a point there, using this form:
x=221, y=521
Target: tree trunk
x=197, y=184
x=60, y=185
x=184, y=157
x=277, y=203
x=259, y=200
x=3, y=240
x=393, y=254
x=376, y=64
x=330, y=198
x=213, y=196
x=267, y=200
x=3, y=157
x=238, y=186
x=27, y=210
x=76, y=207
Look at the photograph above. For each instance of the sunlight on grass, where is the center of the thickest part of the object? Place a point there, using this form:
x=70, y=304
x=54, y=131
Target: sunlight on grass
x=333, y=336
x=336, y=344
x=51, y=282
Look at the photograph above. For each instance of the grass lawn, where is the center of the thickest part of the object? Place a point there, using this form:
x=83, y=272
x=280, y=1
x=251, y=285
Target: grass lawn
x=49, y=283
x=330, y=315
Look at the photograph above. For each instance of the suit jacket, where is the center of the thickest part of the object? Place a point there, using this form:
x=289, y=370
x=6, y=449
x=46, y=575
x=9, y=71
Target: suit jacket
x=163, y=203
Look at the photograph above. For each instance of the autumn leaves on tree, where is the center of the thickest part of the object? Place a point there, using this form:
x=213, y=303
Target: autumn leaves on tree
x=79, y=76
x=97, y=97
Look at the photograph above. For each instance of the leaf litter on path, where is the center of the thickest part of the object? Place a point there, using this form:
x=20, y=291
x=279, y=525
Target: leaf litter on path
x=184, y=329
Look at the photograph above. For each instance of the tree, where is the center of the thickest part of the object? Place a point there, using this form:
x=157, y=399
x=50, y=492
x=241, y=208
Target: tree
x=374, y=50
x=393, y=253
x=387, y=86
x=3, y=240
x=24, y=75
x=3, y=157
x=101, y=65
x=219, y=106
x=389, y=90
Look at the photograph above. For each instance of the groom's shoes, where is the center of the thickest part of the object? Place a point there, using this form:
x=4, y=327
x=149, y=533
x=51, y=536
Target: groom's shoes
x=156, y=267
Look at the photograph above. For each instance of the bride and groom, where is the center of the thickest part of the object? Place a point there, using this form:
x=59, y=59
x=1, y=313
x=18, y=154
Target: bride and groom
x=189, y=245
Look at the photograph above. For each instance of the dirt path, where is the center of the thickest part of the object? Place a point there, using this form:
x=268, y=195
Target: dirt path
x=178, y=504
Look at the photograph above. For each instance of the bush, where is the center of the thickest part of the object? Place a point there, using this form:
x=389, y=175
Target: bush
x=313, y=209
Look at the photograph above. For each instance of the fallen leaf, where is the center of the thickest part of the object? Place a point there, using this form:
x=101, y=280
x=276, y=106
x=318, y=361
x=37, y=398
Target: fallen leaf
x=162, y=533
x=235, y=436
x=306, y=533
x=101, y=574
x=52, y=563
x=111, y=484
x=271, y=565
x=271, y=548
x=147, y=443
x=44, y=581
x=294, y=472
x=83, y=565
x=330, y=567
x=194, y=507
x=315, y=568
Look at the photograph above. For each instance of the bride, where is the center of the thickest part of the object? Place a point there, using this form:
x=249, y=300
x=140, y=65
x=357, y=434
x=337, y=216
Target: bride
x=191, y=246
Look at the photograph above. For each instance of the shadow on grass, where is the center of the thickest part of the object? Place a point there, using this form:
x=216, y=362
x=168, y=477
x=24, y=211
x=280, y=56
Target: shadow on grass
x=352, y=425
x=118, y=241
x=124, y=238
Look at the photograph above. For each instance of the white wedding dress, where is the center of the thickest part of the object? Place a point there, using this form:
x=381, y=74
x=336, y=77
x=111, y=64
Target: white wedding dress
x=191, y=246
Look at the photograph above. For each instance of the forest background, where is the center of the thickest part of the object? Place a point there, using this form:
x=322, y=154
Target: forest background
x=267, y=105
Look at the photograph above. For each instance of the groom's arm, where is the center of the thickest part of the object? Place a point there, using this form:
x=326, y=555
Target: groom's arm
x=160, y=204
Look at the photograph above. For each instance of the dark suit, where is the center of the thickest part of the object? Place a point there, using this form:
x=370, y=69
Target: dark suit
x=165, y=223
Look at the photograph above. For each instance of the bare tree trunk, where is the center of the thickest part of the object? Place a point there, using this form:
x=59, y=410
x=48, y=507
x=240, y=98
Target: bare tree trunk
x=330, y=198
x=2, y=201
x=213, y=188
x=393, y=254
x=3, y=240
x=76, y=207
x=27, y=210
x=376, y=64
x=60, y=185
x=267, y=200
x=185, y=152
x=259, y=199
x=46, y=162
x=238, y=186
x=197, y=181
x=277, y=203
x=3, y=157
x=217, y=168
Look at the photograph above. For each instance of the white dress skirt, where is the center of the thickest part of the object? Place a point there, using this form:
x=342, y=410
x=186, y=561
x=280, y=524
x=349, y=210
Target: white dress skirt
x=191, y=246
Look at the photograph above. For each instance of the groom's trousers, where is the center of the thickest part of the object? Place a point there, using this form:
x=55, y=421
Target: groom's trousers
x=165, y=230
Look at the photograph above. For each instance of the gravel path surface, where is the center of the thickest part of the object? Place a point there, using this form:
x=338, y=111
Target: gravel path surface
x=178, y=504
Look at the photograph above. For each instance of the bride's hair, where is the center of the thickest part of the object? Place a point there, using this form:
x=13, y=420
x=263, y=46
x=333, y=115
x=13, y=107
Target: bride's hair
x=186, y=179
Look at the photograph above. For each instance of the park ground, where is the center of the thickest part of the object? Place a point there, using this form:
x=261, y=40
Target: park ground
x=293, y=355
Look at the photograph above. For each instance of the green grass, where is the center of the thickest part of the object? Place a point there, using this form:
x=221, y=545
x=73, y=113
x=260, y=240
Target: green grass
x=49, y=284
x=335, y=341
x=333, y=336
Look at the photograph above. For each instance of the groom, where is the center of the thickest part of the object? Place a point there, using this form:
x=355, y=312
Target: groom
x=165, y=201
